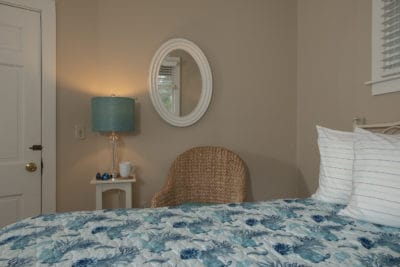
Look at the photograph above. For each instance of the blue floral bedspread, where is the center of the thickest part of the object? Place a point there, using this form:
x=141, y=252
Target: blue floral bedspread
x=277, y=233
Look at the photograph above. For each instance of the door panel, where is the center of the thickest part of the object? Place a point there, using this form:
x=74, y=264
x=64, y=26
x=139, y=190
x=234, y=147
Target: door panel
x=10, y=207
x=20, y=113
x=9, y=97
x=10, y=37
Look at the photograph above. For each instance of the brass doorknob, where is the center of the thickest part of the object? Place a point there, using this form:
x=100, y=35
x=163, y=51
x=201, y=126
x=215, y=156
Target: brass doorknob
x=31, y=167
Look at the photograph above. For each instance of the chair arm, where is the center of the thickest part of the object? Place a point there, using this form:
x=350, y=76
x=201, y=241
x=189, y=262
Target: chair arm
x=163, y=198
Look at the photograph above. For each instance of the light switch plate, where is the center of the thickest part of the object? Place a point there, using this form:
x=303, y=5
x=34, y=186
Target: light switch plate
x=80, y=132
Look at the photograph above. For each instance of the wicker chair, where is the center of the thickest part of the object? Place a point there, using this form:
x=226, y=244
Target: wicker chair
x=204, y=175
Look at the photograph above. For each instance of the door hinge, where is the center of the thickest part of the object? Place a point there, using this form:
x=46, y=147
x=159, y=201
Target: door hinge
x=41, y=166
x=36, y=147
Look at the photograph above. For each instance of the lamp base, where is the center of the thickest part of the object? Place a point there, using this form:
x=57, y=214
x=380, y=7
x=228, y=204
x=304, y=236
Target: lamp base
x=114, y=140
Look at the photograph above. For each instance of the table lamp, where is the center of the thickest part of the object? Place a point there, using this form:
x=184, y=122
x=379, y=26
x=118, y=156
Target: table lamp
x=113, y=115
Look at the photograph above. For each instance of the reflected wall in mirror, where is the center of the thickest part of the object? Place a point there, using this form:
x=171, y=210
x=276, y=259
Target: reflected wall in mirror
x=179, y=82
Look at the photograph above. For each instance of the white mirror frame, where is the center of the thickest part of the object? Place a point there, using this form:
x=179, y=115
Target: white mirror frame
x=206, y=78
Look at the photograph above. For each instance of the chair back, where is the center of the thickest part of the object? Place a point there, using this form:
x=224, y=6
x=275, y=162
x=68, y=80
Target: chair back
x=208, y=174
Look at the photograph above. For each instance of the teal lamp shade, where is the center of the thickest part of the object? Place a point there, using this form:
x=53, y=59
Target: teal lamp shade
x=113, y=114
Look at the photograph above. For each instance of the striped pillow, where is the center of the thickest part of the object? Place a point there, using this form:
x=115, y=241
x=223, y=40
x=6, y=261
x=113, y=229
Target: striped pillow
x=376, y=185
x=336, y=165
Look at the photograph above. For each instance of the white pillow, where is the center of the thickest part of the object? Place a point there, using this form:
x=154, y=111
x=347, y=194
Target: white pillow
x=336, y=166
x=376, y=179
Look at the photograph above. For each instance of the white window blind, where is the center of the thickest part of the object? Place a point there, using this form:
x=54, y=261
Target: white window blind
x=385, y=47
x=166, y=77
x=390, y=37
x=167, y=70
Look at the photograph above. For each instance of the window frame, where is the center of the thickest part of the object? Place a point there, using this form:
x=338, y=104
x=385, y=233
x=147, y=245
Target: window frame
x=380, y=85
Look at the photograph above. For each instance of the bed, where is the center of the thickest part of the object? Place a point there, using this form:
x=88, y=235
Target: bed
x=287, y=232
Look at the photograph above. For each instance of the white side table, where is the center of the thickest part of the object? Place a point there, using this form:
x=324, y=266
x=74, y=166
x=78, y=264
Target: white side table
x=121, y=184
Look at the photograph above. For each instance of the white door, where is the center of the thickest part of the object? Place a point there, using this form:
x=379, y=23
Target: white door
x=20, y=113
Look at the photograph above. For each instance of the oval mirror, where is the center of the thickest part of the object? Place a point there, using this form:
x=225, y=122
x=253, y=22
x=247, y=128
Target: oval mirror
x=180, y=82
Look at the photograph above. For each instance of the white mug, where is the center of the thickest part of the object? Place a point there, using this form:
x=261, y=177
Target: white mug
x=125, y=168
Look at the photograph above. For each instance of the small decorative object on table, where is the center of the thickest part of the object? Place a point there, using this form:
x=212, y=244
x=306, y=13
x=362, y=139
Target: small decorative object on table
x=105, y=176
x=125, y=169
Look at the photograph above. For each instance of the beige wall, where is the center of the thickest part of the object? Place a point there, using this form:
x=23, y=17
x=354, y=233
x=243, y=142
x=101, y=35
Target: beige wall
x=106, y=47
x=76, y=75
x=333, y=63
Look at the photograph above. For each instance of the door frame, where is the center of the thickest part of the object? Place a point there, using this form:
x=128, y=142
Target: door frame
x=47, y=11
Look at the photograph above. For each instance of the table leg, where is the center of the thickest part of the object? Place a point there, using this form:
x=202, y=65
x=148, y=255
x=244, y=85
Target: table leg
x=99, y=197
x=128, y=196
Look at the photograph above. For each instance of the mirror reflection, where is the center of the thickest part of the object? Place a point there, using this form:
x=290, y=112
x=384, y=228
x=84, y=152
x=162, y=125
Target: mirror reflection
x=179, y=83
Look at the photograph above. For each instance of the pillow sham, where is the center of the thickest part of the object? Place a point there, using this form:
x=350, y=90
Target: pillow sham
x=336, y=165
x=376, y=179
